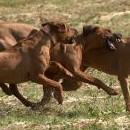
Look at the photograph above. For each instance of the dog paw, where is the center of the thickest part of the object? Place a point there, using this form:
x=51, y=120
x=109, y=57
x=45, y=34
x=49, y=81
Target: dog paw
x=58, y=97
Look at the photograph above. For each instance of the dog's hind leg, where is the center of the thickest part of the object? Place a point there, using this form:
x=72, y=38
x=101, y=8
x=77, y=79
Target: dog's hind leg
x=5, y=89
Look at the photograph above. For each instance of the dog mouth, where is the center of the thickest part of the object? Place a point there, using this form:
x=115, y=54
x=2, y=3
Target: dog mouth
x=71, y=40
x=110, y=45
x=118, y=37
x=112, y=40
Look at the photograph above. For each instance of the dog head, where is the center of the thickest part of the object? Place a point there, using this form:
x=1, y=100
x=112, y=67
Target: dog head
x=98, y=37
x=60, y=32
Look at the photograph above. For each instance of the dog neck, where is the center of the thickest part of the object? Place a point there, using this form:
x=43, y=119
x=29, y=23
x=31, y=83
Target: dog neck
x=80, y=42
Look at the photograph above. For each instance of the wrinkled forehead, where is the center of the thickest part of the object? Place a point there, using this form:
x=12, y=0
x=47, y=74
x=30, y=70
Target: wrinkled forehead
x=89, y=29
x=72, y=31
x=105, y=31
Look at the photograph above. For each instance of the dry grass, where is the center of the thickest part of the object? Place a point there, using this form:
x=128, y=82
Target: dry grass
x=88, y=108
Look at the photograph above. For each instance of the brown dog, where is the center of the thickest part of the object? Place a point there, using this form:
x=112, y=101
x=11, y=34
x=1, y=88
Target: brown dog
x=29, y=59
x=10, y=34
x=114, y=63
x=72, y=58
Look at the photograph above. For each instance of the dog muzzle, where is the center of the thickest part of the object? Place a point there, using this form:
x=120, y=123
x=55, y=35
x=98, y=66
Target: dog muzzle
x=110, y=45
x=111, y=41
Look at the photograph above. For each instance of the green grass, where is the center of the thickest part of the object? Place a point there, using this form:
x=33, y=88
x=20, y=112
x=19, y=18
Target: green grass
x=88, y=108
x=17, y=3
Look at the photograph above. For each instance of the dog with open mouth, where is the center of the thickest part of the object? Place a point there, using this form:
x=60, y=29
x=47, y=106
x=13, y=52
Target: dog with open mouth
x=115, y=63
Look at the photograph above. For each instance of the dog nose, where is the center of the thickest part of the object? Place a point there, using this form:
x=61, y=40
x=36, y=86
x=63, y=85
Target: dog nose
x=118, y=37
x=73, y=39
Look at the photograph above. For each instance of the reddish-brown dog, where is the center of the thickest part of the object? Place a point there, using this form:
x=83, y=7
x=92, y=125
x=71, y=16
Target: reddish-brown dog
x=29, y=59
x=114, y=63
x=10, y=34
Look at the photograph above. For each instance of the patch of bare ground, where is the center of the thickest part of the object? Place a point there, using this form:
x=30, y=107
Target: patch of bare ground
x=122, y=122
x=113, y=14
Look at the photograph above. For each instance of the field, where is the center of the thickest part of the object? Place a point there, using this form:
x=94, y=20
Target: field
x=88, y=108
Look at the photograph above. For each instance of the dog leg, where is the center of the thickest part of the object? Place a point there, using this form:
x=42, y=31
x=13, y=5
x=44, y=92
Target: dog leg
x=71, y=84
x=5, y=89
x=46, y=89
x=125, y=91
x=61, y=68
x=79, y=75
x=15, y=92
x=52, y=84
x=47, y=96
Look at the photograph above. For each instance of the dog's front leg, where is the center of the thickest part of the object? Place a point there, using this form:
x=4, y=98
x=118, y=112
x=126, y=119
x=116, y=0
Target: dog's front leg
x=64, y=71
x=79, y=75
x=125, y=90
x=42, y=79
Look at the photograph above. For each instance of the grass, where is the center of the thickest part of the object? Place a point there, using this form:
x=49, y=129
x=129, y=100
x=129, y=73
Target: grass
x=88, y=108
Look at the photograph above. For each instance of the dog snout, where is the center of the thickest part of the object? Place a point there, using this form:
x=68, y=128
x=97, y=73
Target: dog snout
x=73, y=39
x=117, y=37
x=110, y=43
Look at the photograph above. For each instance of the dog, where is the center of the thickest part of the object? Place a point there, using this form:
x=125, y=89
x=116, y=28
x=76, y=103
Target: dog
x=115, y=63
x=72, y=58
x=29, y=58
x=10, y=34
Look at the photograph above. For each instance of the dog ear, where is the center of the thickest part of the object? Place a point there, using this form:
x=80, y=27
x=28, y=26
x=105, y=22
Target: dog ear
x=32, y=32
x=43, y=21
x=44, y=24
x=61, y=27
x=75, y=31
x=46, y=27
x=87, y=29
